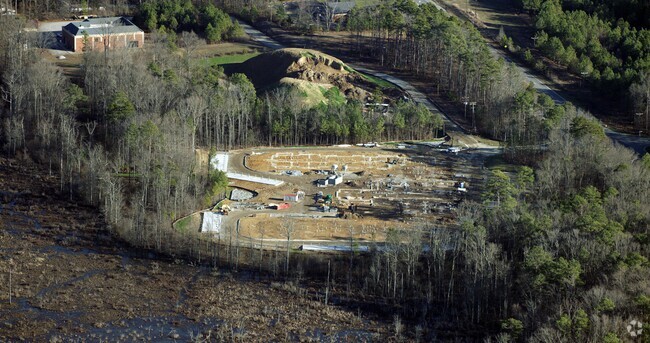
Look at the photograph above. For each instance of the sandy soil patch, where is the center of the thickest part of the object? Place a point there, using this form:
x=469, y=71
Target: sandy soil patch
x=275, y=228
x=355, y=160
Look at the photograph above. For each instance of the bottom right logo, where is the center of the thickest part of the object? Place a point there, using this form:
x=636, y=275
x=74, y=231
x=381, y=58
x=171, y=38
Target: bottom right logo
x=635, y=328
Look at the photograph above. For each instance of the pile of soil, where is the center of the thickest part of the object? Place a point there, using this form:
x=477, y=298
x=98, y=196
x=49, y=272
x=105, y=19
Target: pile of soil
x=280, y=66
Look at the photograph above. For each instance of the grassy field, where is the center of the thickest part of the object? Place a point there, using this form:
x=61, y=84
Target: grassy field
x=183, y=224
x=230, y=59
x=365, y=3
x=372, y=79
x=379, y=82
x=227, y=48
x=497, y=162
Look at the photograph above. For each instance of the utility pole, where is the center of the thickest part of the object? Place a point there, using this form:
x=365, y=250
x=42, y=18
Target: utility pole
x=10, y=270
x=473, y=104
x=534, y=38
x=583, y=74
x=637, y=119
x=465, y=102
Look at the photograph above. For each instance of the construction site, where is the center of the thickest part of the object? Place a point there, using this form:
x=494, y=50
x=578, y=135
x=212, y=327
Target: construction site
x=337, y=197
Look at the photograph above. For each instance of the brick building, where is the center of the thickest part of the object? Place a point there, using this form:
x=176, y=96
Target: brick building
x=102, y=33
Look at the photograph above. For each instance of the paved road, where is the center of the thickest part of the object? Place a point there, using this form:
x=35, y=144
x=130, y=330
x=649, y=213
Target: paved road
x=259, y=37
x=48, y=31
x=529, y=76
x=633, y=142
x=416, y=95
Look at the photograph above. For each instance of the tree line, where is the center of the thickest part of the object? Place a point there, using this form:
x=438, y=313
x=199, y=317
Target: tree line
x=596, y=40
x=289, y=122
x=637, y=13
x=557, y=253
x=179, y=16
x=452, y=55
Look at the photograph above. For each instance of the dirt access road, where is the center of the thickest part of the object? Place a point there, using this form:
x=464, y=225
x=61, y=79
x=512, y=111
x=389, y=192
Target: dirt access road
x=72, y=280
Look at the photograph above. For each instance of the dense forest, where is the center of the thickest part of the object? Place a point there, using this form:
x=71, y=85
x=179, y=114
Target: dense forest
x=557, y=252
x=607, y=42
x=185, y=16
x=452, y=55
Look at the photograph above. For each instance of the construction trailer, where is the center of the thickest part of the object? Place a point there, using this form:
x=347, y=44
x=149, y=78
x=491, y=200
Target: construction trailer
x=282, y=206
x=331, y=180
x=295, y=197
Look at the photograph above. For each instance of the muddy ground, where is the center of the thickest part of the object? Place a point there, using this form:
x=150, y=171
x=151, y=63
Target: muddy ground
x=71, y=280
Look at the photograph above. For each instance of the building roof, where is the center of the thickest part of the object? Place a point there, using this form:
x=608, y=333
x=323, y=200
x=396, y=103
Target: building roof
x=102, y=26
x=341, y=7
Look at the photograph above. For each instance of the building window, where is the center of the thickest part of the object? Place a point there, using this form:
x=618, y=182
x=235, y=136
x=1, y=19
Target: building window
x=133, y=44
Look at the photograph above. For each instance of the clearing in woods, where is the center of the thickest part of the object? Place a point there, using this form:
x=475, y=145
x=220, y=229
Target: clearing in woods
x=400, y=186
x=307, y=160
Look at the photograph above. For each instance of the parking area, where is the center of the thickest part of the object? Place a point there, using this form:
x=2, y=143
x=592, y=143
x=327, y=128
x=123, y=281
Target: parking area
x=50, y=37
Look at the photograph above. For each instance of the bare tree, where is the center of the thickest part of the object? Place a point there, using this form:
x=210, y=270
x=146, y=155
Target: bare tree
x=640, y=96
x=192, y=109
x=190, y=42
x=289, y=228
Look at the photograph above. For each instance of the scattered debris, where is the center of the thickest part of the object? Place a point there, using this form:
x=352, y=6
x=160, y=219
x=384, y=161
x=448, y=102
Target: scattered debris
x=293, y=172
x=369, y=145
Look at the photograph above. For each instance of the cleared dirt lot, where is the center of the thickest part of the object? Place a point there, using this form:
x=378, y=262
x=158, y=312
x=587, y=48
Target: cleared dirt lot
x=268, y=228
x=400, y=186
x=308, y=160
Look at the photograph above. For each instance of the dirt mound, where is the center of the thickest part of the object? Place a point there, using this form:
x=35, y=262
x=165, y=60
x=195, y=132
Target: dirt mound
x=268, y=69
